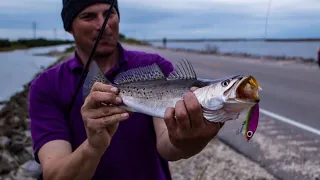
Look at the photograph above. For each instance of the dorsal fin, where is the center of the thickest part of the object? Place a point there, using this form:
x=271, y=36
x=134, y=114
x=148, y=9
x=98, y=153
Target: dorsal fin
x=145, y=73
x=183, y=71
x=95, y=74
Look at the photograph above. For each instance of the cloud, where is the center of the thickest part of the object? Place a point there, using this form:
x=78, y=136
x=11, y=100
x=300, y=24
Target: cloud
x=253, y=7
x=186, y=5
x=177, y=19
x=224, y=18
x=43, y=21
x=26, y=6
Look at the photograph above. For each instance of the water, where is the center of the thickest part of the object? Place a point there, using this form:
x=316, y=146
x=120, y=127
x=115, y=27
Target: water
x=288, y=49
x=19, y=67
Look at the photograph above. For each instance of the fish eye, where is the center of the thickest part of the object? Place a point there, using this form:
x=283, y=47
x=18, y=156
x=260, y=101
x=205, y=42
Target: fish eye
x=249, y=133
x=225, y=83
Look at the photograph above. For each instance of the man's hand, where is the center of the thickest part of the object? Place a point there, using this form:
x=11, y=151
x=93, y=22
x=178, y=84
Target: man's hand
x=100, y=118
x=188, y=131
x=101, y=121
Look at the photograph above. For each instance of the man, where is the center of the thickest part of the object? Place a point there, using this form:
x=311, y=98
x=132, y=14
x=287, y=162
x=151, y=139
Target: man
x=93, y=141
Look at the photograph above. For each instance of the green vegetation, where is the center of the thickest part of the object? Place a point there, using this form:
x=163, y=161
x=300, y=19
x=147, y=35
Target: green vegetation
x=122, y=38
x=6, y=45
x=70, y=49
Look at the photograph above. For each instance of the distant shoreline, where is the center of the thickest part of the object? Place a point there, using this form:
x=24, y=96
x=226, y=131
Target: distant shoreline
x=7, y=46
x=21, y=47
x=215, y=51
x=236, y=40
x=209, y=50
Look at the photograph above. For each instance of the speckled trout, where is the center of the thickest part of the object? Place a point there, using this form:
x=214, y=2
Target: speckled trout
x=147, y=90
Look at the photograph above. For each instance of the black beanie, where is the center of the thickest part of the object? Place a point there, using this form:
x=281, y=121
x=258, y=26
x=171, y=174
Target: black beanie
x=71, y=8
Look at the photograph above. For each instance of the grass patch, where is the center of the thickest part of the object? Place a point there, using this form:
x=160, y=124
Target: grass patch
x=6, y=45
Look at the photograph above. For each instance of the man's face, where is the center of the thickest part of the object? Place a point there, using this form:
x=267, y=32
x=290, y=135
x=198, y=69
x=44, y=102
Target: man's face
x=86, y=27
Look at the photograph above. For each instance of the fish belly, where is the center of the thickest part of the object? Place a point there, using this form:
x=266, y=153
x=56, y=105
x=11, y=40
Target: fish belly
x=148, y=106
x=220, y=115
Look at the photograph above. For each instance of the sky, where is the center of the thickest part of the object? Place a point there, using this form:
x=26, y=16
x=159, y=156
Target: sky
x=179, y=19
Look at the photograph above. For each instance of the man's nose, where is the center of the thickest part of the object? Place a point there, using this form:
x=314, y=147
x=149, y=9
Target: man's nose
x=99, y=22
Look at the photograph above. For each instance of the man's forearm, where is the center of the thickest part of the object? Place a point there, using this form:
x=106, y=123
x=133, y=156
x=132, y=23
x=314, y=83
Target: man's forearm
x=168, y=151
x=80, y=164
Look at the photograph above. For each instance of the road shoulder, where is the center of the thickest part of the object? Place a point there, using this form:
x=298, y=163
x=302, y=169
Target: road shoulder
x=218, y=161
x=283, y=150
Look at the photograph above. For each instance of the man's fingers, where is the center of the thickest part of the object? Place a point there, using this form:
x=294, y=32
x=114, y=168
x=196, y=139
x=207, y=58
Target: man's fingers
x=111, y=120
x=98, y=86
x=194, y=110
x=170, y=119
x=95, y=124
x=105, y=97
x=98, y=98
x=104, y=111
x=217, y=125
x=102, y=93
x=182, y=116
x=212, y=128
x=112, y=129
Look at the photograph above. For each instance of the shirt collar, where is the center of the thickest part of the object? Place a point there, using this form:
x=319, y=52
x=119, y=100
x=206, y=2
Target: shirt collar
x=76, y=65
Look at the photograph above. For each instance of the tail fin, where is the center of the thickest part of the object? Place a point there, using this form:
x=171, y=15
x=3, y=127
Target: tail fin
x=95, y=74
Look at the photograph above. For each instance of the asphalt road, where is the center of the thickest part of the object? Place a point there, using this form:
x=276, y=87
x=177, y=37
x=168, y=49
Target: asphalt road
x=290, y=90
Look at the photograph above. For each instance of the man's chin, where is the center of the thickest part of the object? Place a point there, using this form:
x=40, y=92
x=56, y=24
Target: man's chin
x=102, y=49
x=102, y=53
x=105, y=48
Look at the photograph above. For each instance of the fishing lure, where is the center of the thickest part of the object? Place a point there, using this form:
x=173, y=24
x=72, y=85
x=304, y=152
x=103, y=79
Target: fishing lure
x=250, y=124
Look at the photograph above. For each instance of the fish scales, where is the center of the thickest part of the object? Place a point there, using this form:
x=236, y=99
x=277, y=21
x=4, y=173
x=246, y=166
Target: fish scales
x=153, y=97
x=158, y=89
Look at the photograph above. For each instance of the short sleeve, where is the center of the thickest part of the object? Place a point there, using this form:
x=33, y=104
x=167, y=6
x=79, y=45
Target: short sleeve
x=165, y=65
x=46, y=115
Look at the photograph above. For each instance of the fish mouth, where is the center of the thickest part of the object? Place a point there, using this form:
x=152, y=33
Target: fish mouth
x=248, y=90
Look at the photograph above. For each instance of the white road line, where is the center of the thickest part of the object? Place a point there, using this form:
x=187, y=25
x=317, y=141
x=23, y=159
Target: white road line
x=290, y=121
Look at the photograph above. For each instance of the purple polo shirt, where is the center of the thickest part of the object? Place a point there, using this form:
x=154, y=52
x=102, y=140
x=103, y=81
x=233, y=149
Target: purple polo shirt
x=132, y=153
